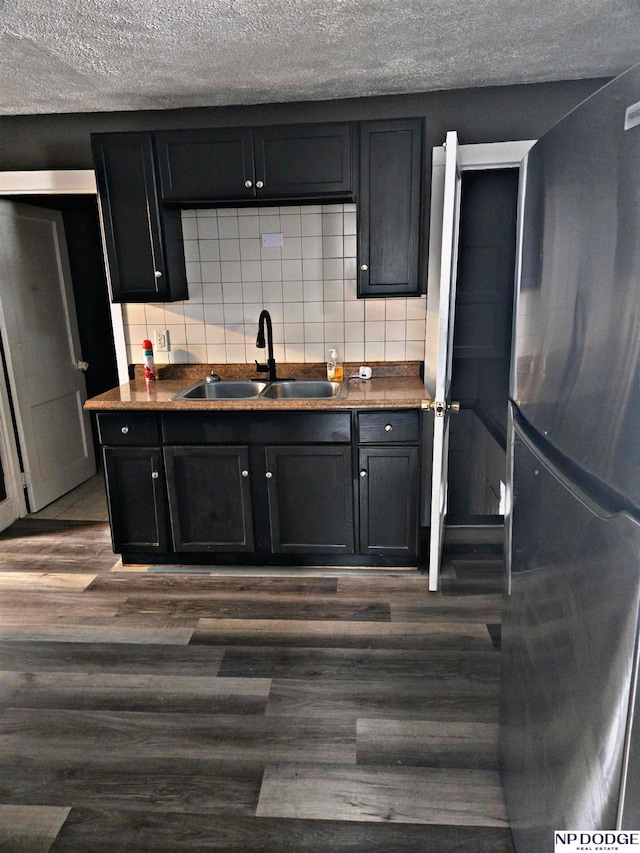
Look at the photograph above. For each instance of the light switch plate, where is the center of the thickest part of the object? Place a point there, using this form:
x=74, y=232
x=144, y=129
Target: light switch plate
x=271, y=241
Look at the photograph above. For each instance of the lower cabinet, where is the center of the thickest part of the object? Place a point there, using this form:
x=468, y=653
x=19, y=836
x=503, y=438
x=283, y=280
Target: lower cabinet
x=310, y=499
x=389, y=483
x=136, y=496
x=209, y=498
x=178, y=488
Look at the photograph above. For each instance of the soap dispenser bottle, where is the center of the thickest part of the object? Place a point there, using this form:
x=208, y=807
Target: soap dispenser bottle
x=335, y=369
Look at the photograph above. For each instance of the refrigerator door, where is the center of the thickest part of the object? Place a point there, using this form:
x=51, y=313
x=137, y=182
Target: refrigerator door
x=569, y=646
x=577, y=351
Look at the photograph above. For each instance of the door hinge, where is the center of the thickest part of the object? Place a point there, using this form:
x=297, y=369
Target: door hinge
x=23, y=477
x=440, y=407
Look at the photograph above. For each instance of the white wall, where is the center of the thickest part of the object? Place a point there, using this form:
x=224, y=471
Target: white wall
x=308, y=286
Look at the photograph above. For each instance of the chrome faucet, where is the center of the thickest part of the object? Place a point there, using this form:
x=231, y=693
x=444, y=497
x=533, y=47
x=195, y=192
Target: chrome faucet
x=270, y=366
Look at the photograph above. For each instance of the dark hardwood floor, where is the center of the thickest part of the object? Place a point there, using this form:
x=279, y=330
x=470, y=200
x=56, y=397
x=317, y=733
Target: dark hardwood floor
x=144, y=711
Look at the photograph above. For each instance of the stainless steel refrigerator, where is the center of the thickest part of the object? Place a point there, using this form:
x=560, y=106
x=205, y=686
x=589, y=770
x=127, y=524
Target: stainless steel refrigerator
x=570, y=710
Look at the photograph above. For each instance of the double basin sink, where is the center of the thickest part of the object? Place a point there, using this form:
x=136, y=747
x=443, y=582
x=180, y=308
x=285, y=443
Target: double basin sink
x=283, y=389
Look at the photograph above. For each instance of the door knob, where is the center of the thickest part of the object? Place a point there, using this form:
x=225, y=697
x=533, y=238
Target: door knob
x=248, y=184
x=82, y=365
x=259, y=184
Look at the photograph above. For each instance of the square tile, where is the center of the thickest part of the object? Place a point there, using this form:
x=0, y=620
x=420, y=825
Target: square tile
x=292, y=270
x=248, y=226
x=293, y=313
x=292, y=291
x=229, y=250
x=228, y=227
x=230, y=271
x=210, y=250
x=354, y=351
x=207, y=228
x=250, y=249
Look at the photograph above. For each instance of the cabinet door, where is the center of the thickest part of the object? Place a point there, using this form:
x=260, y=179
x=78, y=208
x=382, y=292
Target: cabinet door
x=209, y=498
x=205, y=165
x=303, y=161
x=389, y=478
x=389, y=208
x=310, y=499
x=142, y=242
x=136, y=498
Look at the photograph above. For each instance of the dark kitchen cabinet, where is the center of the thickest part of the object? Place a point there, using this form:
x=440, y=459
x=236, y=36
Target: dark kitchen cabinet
x=136, y=499
x=388, y=495
x=142, y=239
x=135, y=482
x=209, y=498
x=206, y=165
x=310, y=499
x=263, y=487
x=389, y=208
x=304, y=161
x=389, y=482
x=224, y=165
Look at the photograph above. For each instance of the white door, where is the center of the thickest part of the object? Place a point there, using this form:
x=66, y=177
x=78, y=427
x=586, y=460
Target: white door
x=440, y=318
x=42, y=351
x=12, y=503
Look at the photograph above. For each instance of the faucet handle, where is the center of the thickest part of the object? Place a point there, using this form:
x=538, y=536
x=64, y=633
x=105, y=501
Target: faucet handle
x=261, y=368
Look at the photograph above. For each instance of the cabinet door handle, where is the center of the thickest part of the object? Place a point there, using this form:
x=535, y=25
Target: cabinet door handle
x=124, y=430
x=268, y=475
x=363, y=473
x=158, y=274
x=364, y=267
x=245, y=473
x=388, y=428
x=154, y=475
x=248, y=184
x=259, y=184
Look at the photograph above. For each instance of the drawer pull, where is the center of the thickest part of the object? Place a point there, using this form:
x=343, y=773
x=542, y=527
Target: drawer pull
x=268, y=475
x=124, y=430
x=245, y=473
x=388, y=428
x=154, y=475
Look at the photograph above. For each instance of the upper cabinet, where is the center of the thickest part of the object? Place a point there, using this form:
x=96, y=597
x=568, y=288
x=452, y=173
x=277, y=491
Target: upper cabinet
x=145, y=178
x=142, y=239
x=290, y=162
x=389, y=208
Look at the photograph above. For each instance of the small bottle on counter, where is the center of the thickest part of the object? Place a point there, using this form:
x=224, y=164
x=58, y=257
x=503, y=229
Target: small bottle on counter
x=147, y=355
x=335, y=368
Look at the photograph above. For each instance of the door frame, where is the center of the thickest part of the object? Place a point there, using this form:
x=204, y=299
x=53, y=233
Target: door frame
x=46, y=182
x=484, y=156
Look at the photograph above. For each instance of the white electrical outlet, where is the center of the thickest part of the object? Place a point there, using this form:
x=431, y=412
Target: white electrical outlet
x=161, y=340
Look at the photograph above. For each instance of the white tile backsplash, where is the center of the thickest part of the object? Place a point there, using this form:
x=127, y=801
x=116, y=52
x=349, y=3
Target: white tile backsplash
x=308, y=286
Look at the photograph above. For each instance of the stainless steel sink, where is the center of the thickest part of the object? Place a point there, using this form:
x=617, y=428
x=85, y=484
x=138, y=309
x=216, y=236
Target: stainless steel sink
x=223, y=390
x=305, y=389
x=248, y=389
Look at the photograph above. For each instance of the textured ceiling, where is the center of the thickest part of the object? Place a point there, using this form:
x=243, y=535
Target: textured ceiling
x=104, y=55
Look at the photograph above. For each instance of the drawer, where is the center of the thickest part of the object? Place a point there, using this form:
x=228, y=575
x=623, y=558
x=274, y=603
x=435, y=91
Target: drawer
x=128, y=428
x=256, y=427
x=389, y=427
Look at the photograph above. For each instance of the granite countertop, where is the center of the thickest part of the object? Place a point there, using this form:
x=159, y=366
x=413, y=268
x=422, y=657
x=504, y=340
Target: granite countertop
x=393, y=385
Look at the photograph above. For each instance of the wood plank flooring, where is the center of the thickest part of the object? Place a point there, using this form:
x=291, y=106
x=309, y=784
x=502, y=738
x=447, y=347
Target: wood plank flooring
x=143, y=712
